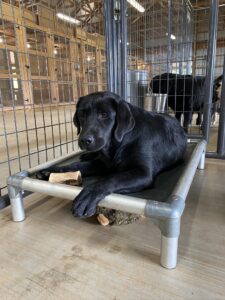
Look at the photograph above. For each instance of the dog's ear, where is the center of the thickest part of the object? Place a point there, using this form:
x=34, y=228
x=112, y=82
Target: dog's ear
x=124, y=120
x=76, y=120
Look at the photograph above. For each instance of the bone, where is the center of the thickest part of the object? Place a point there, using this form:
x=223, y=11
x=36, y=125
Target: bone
x=103, y=220
x=71, y=178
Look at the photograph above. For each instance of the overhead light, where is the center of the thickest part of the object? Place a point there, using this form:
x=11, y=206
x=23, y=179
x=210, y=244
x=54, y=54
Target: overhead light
x=136, y=5
x=88, y=58
x=1, y=40
x=55, y=51
x=15, y=82
x=67, y=18
x=28, y=46
x=172, y=36
x=12, y=57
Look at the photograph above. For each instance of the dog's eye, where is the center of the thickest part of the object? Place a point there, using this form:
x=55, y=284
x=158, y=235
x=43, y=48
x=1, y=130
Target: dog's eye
x=103, y=115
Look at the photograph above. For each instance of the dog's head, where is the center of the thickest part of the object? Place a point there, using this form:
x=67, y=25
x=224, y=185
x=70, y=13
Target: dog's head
x=163, y=83
x=101, y=117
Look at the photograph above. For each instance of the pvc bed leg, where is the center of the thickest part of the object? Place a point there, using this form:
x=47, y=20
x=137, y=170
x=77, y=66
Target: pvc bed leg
x=170, y=231
x=201, y=165
x=16, y=200
x=169, y=247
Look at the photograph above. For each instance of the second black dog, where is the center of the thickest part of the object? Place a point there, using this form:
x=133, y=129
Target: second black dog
x=185, y=94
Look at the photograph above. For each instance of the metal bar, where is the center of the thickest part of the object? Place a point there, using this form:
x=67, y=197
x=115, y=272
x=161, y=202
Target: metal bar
x=169, y=246
x=215, y=155
x=221, y=130
x=194, y=136
x=183, y=36
x=184, y=183
x=190, y=30
x=41, y=94
x=201, y=165
x=169, y=51
x=108, y=6
x=211, y=57
x=123, y=20
x=16, y=200
x=117, y=46
x=115, y=201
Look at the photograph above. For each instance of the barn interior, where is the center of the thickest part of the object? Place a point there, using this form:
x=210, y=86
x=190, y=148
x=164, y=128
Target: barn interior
x=52, y=53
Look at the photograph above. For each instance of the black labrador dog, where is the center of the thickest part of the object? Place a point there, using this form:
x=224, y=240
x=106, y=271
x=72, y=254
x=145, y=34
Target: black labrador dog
x=125, y=145
x=185, y=94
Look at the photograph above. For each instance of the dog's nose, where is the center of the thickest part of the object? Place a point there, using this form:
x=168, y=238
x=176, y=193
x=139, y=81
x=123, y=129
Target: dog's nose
x=87, y=140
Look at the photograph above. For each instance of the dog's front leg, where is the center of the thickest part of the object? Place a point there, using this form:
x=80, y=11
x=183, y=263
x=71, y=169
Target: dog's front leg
x=85, y=203
x=87, y=168
x=187, y=120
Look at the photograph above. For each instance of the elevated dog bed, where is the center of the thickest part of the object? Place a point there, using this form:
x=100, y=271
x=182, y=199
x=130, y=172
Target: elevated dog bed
x=164, y=201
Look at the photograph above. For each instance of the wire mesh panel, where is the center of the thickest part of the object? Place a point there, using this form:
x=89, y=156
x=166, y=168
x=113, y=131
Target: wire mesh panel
x=201, y=15
x=51, y=53
x=167, y=58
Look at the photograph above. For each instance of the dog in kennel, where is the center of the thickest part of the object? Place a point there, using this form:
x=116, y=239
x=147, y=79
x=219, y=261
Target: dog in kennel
x=126, y=147
x=185, y=95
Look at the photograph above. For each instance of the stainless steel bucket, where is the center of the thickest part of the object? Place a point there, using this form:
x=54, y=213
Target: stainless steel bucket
x=137, y=86
x=155, y=102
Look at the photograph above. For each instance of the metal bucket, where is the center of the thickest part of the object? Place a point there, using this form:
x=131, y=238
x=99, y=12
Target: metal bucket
x=137, y=86
x=155, y=102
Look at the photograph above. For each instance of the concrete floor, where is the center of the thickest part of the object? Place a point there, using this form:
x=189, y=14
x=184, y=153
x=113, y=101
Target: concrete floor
x=52, y=255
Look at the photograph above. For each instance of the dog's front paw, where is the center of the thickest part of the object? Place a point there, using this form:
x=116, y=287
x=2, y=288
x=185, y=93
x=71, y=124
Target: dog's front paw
x=84, y=205
x=44, y=174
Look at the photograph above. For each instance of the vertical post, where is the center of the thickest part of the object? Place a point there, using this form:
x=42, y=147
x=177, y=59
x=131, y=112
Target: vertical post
x=183, y=38
x=201, y=165
x=117, y=42
x=16, y=201
x=221, y=132
x=169, y=52
x=124, y=49
x=73, y=58
x=24, y=65
x=51, y=67
x=116, y=46
x=194, y=43
x=190, y=37
x=211, y=57
x=170, y=231
x=109, y=28
x=83, y=68
x=98, y=67
x=16, y=196
x=169, y=247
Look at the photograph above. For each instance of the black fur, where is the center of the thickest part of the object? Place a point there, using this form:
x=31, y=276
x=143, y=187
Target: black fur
x=185, y=94
x=127, y=145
